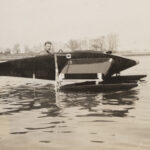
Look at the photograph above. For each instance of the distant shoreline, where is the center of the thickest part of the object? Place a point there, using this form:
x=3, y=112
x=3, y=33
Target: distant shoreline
x=134, y=54
x=5, y=57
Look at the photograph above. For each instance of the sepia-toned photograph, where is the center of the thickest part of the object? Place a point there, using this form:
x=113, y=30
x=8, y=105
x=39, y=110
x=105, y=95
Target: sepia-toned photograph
x=74, y=74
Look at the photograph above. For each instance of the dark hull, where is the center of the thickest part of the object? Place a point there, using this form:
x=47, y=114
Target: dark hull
x=90, y=86
x=43, y=67
x=127, y=78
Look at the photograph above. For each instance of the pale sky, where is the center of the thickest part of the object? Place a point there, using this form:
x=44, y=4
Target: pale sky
x=35, y=21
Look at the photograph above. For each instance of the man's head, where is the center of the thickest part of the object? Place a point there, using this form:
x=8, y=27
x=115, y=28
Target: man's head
x=48, y=46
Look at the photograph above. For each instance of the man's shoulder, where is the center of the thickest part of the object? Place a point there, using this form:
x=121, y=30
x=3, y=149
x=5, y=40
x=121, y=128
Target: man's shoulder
x=45, y=53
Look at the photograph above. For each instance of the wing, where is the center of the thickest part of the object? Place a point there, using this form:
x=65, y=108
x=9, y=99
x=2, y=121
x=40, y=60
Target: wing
x=87, y=67
x=81, y=66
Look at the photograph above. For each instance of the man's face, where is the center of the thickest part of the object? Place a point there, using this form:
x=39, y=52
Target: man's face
x=48, y=47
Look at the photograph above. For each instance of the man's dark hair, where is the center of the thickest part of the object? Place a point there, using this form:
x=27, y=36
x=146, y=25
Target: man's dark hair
x=48, y=42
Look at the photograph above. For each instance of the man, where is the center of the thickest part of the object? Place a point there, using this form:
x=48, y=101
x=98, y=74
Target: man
x=47, y=48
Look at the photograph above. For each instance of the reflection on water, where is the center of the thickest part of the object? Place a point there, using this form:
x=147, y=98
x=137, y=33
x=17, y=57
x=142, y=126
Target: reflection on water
x=34, y=116
x=61, y=112
x=28, y=98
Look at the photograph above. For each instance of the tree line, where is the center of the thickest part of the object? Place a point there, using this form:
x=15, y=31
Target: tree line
x=102, y=43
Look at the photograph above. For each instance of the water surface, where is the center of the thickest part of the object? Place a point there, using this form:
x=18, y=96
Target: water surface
x=34, y=116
